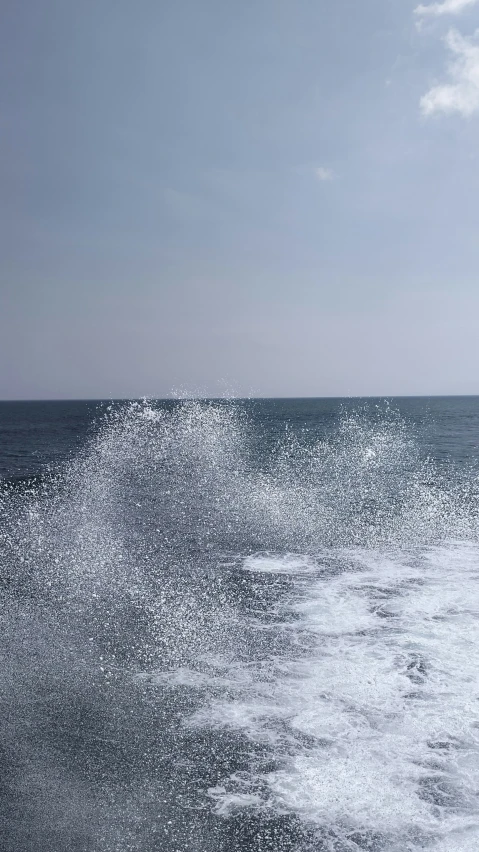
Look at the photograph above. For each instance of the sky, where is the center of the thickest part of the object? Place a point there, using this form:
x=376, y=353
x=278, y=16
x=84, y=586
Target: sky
x=266, y=198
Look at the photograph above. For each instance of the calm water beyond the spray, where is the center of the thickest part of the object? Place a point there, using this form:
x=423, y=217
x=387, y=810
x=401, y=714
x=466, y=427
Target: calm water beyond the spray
x=240, y=626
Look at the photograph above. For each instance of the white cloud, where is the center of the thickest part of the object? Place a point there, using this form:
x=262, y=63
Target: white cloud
x=447, y=7
x=323, y=173
x=461, y=94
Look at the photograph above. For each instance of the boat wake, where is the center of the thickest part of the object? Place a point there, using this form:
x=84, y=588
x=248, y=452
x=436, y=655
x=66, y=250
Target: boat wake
x=218, y=639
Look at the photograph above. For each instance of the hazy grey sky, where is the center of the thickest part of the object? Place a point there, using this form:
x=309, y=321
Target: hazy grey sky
x=277, y=197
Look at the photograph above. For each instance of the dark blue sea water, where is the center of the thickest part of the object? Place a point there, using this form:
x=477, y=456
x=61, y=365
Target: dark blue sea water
x=239, y=625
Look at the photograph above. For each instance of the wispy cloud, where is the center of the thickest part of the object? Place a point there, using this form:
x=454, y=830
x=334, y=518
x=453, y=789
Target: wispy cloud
x=322, y=173
x=447, y=7
x=461, y=94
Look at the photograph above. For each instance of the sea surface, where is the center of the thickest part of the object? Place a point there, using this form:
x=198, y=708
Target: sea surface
x=239, y=626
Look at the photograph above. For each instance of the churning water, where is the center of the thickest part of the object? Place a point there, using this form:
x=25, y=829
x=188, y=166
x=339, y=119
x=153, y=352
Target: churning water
x=227, y=632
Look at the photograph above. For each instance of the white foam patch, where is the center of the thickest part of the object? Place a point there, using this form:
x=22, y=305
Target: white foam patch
x=229, y=803
x=376, y=721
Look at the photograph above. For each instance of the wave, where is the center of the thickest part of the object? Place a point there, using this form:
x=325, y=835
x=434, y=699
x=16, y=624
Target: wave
x=218, y=638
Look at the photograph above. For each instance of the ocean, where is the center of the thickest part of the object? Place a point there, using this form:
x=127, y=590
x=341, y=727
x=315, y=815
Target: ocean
x=239, y=625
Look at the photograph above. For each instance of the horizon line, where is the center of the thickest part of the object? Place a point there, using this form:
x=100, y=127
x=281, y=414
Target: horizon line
x=147, y=398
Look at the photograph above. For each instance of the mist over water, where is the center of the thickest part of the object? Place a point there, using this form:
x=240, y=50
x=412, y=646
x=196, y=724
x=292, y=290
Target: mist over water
x=222, y=636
